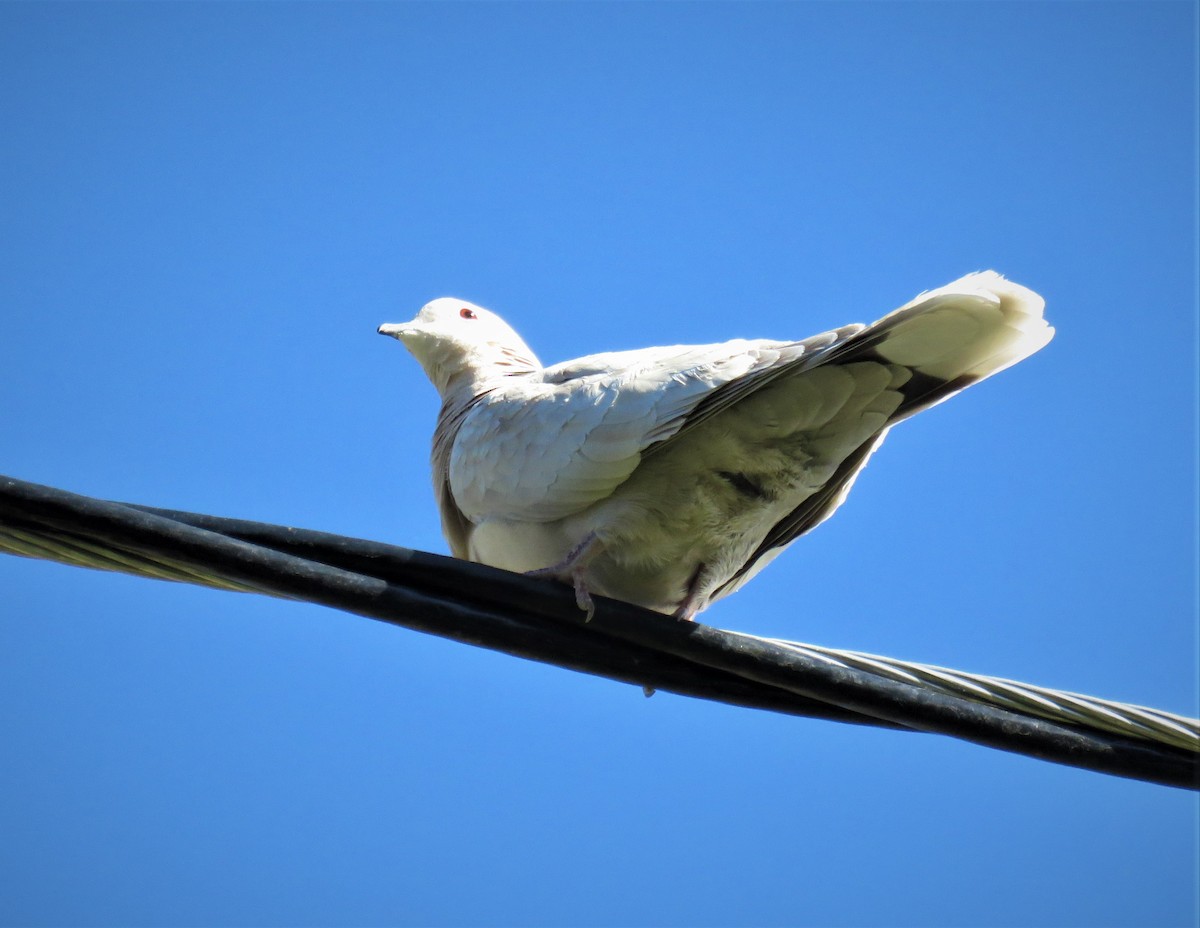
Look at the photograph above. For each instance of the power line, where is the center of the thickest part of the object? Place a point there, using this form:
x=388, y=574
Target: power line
x=537, y=620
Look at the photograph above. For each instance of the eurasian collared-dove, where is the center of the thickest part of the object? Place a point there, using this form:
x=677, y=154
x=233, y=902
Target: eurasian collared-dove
x=668, y=477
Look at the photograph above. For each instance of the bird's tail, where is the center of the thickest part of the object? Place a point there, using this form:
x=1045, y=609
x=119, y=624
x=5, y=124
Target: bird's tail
x=955, y=336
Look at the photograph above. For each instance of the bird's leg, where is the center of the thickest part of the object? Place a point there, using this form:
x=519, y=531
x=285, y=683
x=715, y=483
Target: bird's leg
x=572, y=569
x=691, y=603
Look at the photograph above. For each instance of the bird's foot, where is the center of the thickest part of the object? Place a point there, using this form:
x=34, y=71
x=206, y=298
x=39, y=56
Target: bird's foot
x=572, y=569
x=686, y=612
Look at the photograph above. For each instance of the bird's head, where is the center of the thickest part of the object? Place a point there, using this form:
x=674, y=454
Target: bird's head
x=459, y=342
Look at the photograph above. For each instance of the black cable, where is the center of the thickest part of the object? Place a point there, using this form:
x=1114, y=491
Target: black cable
x=538, y=620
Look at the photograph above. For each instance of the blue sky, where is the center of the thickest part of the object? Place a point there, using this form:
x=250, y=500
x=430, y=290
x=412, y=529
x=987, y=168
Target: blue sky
x=207, y=210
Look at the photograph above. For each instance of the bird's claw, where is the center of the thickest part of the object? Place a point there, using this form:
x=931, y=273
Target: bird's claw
x=583, y=599
x=576, y=579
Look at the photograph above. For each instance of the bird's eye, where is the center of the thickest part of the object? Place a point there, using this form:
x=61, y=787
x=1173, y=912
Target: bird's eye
x=467, y=313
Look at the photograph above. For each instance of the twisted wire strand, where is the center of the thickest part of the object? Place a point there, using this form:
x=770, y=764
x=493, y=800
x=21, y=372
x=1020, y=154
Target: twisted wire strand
x=50, y=545
x=1126, y=719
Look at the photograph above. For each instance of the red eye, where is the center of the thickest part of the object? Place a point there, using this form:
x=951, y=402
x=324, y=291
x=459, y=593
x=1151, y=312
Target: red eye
x=467, y=313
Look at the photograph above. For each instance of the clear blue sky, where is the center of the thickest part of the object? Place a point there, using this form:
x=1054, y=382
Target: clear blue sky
x=206, y=210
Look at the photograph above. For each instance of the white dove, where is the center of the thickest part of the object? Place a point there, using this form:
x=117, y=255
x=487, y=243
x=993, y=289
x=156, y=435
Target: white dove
x=668, y=477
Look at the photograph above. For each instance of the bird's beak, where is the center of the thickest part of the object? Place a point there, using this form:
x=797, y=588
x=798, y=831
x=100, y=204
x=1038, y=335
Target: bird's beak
x=394, y=329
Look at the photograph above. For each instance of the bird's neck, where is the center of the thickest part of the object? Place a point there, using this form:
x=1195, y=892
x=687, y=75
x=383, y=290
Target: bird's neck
x=484, y=372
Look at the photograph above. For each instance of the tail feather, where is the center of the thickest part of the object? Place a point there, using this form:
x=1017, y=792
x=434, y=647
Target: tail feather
x=955, y=336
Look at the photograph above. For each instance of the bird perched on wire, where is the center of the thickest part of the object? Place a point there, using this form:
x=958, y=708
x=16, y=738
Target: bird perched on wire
x=668, y=477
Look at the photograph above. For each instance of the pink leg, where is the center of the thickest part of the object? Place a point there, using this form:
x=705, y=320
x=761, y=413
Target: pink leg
x=687, y=610
x=572, y=569
x=692, y=601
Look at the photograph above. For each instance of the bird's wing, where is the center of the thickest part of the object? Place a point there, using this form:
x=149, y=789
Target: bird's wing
x=541, y=450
